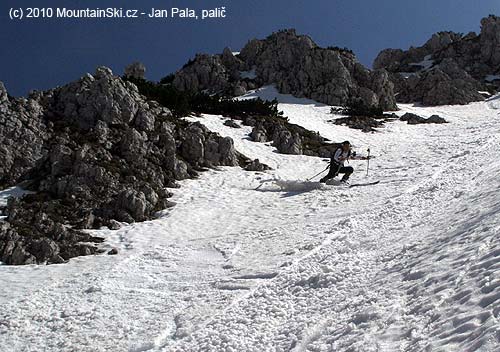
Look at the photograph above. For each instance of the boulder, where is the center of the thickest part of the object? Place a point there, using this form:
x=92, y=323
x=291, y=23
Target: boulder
x=414, y=119
x=286, y=142
x=256, y=165
x=231, y=123
x=436, y=119
x=259, y=134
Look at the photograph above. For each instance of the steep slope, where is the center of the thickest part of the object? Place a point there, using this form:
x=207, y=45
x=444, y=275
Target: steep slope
x=410, y=264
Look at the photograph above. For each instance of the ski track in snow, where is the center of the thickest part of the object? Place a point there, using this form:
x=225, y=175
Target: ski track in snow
x=410, y=264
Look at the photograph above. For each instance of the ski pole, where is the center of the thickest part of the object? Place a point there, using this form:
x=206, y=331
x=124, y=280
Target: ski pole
x=319, y=173
x=368, y=162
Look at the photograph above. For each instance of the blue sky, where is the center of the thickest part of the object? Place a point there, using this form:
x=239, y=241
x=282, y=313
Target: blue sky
x=40, y=54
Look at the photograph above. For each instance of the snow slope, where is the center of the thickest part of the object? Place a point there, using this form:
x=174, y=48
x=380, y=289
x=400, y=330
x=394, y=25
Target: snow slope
x=410, y=264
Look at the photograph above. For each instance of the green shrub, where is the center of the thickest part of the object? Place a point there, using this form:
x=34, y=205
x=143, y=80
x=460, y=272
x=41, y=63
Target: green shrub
x=184, y=103
x=356, y=107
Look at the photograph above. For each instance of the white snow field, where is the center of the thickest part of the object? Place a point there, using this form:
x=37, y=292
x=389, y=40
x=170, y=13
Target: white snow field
x=410, y=264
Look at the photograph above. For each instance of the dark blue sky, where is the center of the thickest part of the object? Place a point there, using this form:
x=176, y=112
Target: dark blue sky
x=41, y=54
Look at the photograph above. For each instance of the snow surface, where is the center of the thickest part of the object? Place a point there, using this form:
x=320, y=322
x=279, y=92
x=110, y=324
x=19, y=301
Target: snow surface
x=410, y=264
x=426, y=63
x=491, y=78
x=7, y=193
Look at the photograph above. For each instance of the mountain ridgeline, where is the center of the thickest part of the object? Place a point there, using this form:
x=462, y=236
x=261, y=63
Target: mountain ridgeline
x=450, y=68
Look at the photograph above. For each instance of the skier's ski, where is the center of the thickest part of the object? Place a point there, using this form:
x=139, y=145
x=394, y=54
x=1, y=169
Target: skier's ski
x=364, y=184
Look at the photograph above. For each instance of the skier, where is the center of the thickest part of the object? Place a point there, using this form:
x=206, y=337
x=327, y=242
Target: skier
x=338, y=158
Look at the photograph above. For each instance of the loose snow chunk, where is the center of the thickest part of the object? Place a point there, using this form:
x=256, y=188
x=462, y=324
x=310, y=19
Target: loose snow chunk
x=291, y=185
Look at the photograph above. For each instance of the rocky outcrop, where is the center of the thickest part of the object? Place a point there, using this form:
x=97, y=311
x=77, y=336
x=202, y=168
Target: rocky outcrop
x=256, y=165
x=23, y=133
x=397, y=60
x=202, y=73
x=296, y=65
x=490, y=41
x=287, y=142
x=445, y=84
x=286, y=137
x=414, y=119
x=136, y=70
x=94, y=152
x=450, y=68
x=231, y=123
x=259, y=134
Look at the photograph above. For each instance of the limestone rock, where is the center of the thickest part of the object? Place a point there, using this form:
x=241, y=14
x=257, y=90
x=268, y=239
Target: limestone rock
x=136, y=70
x=256, y=165
x=452, y=67
x=4, y=98
x=490, y=40
x=259, y=134
x=414, y=119
x=286, y=142
x=295, y=64
x=94, y=152
x=231, y=123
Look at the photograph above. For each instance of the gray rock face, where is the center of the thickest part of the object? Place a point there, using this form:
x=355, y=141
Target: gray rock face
x=414, y=119
x=204, y=150
x=94, y=152
x=259, y=134
x=490, y=41
x=99, y=97
x=444, y=84
x=296, y=65
x=23, y=133
x=256, y=165
x=286, y=142
x=136, y=70
x=4, y=99
x=205, y=72
x=449, y=68
x=231, y=123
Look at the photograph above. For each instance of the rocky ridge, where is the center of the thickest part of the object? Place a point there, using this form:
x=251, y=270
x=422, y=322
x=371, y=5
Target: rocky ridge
x=450, y=68
x=296, y=65
x=95, y=136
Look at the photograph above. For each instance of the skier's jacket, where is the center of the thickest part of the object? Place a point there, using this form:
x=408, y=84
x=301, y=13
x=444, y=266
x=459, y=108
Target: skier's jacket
x=335, y=159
